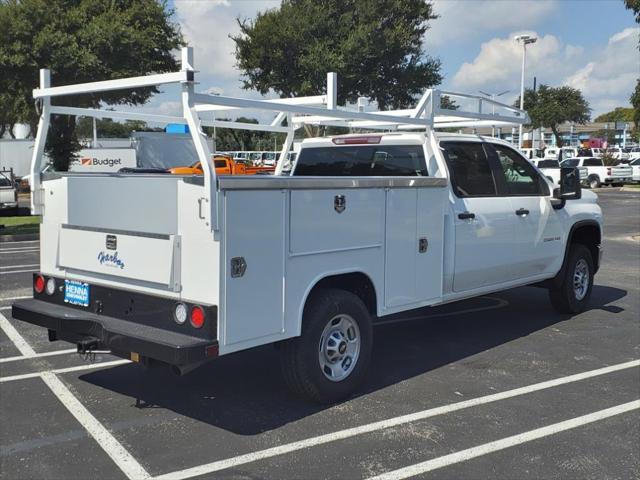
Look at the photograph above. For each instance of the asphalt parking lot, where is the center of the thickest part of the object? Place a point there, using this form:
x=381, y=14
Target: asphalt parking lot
x=497, y=387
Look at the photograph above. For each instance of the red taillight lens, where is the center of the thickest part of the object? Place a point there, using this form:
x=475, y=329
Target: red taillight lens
x=38, y=284
x=197, y=317
x=608, y=171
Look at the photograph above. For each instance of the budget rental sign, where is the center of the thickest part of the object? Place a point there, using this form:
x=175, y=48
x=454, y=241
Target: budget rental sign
x=104, y=160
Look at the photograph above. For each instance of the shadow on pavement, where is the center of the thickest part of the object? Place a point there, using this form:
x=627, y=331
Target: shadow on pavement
x=244, y=393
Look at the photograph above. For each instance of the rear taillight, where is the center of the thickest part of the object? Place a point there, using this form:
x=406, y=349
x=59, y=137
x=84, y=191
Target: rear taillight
x=609, y=171
x=38, y=284
x=197, y=317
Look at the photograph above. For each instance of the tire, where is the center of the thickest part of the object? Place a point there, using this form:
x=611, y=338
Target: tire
x=330, y=318
x=594, y=181
x=571, y=297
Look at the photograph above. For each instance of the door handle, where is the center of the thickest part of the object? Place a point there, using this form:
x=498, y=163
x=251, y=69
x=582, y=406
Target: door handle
x=466, y=215
x=522, y=212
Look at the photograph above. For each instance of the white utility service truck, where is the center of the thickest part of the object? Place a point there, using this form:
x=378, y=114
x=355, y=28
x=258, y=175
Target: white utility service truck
x=177, y=270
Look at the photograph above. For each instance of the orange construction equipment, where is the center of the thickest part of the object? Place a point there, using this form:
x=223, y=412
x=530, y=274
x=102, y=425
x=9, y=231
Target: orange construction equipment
x=224, y=166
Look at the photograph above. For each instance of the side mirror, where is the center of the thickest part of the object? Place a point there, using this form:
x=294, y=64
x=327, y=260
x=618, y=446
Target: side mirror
x=570, y=188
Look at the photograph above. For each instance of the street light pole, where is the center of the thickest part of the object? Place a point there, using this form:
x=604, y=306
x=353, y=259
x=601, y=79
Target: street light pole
x=525, y=40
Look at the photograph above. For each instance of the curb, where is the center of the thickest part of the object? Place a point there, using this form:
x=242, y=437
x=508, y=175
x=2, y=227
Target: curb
x=20, y=237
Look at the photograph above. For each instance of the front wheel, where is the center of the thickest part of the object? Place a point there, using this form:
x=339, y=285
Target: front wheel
x=575, y=290
x=330, y=359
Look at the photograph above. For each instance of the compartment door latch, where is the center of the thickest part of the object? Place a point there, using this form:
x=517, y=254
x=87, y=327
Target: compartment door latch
x=238, y=267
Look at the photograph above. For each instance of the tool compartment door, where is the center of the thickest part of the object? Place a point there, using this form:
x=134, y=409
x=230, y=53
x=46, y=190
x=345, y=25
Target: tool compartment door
x=253, y=266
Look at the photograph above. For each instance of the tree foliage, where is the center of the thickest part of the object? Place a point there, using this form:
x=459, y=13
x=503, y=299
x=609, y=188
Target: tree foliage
x=375, y=46
x=635, y=102
x=619, y=114
x=231, y=139
x=107, y=128
x=79, y=41
x=634, y=6
x=552, y=106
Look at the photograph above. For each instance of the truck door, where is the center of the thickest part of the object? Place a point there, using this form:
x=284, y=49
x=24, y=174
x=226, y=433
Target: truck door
x=484, y=223
x=538, y=242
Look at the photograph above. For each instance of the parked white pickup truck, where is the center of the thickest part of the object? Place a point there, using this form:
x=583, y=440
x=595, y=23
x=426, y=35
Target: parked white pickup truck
x=177, y=270
x=598, y=174
x=8, y=192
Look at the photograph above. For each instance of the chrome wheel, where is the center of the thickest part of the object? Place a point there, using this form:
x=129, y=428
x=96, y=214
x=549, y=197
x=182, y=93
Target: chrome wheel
x=339, y=347
x=581, y=279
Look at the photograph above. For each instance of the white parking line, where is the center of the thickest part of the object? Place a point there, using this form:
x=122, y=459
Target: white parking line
x=30, y=250
x=21, y=344
x=7, y=299
x=37, y=355
x=20, y=249
x=384, y=424
x=120, y=455
x=7, y=267
x=79, y=368
x=507, y=442
x=21, y=242
x=18, y=271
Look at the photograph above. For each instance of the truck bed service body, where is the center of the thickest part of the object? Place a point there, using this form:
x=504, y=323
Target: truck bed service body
x=177, y=269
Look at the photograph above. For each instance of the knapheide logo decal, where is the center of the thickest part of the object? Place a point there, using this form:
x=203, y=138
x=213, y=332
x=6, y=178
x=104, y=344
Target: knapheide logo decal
x=110, y=260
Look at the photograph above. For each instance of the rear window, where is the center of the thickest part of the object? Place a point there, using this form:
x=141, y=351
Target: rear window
x=220, y=163
x=469, y=169
x=548, y=164
x=362, y=161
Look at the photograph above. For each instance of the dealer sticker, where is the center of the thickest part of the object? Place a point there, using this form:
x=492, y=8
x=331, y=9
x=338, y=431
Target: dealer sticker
x=76, y=293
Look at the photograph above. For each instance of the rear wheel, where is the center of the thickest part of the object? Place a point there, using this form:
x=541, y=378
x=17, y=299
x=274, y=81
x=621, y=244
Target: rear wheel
x=594, y=181
x=330, y=359
x=575, y=290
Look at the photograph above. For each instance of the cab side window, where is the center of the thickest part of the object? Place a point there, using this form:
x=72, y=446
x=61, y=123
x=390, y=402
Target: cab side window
x=519, y=175
x=469, y=169
x=592, y=162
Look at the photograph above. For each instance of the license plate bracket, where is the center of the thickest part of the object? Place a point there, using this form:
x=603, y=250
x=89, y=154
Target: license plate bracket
x=77, y=293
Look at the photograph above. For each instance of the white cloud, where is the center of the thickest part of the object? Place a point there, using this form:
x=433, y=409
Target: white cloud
x=606, y=76
x=498, y=66
x=207, y=25
x=610, y=76
x=463, y=20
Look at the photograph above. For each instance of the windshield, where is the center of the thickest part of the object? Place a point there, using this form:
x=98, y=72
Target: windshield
x=571, y=162
x=548, y=164
x=635, y=162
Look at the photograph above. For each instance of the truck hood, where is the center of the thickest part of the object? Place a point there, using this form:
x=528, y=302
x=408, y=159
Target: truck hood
x=589, y=197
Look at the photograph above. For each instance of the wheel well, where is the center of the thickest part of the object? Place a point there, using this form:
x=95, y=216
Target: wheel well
x=357, y=283
x=589, y=236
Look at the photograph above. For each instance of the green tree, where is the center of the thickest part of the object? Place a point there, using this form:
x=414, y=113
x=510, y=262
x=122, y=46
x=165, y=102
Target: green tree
x=375, y=46
x=634, y=6
x=552, y=106
x=80, y=41
x=635, y=102
x=107, y=128
x=619, y=114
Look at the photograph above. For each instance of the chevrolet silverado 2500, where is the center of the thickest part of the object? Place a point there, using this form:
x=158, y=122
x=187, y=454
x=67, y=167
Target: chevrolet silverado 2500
x=179, y=269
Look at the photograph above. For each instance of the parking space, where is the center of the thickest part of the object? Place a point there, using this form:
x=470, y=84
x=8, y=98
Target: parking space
x=496, y=387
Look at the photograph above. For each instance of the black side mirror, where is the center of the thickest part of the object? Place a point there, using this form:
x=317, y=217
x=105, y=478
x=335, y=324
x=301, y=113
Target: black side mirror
x=570, y=187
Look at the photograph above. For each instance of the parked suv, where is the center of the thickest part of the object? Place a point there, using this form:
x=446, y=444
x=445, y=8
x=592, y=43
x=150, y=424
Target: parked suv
x=8, y=192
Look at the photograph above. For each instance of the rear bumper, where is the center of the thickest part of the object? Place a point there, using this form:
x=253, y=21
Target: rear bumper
x=124, y=338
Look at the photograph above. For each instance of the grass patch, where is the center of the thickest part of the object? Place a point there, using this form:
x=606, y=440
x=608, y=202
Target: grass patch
x=19, y=225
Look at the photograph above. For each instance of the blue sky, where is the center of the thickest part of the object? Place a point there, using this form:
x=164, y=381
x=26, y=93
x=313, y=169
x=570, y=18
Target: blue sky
x=588, y=44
